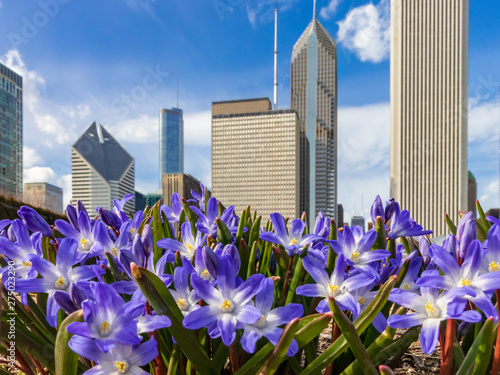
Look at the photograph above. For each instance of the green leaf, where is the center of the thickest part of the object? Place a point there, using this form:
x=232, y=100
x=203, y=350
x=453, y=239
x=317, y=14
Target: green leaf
x=486, y=224
x=296, y=279
x=380, y=242
x=252, y=260
x=312, y=329
x=162, y=301
x=349, y=332
x=254, y=231
x=241, y=226
x=451, y=225
x=66, y=359
x=223, y=233
x=361, y=324
x=477, y=353
x=115, y=271
x=279, y=352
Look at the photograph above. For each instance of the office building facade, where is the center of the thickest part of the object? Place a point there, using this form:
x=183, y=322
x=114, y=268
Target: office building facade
x=181, y=184
x=471, y=193
x=11, y=133
x=256, y=157
x=429, y=72
x=313, y=84
x=44, y=195
x=101, y=170
x=171, y=141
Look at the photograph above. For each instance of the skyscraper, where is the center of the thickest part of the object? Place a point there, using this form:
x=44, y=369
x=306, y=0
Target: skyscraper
x=11, y=133
x=171, y=141
x=429, y=67
x=255, y=157
x=101, y=170
x=314, y=96
x=44, y=195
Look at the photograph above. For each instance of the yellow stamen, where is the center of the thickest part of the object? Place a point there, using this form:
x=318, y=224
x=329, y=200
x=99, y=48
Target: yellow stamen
x=181, y=302
x=105, y=325
x=294, y=241
x=226, y=305
x=464, y=282
x=114, y=251
x=60, y=281
x=362, y=301
x=494, y=266
x=132, y=230
x=189, y=246
x=332, y=288
x=121, y=366
x=84, y=242
x=27, y=264
x=355, y=255
x=406, y=286
x=429, y=307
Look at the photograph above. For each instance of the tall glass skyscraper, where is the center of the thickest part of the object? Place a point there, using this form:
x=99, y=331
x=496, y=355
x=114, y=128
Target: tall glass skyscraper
x=11, y=133
x=313, y=84
x=171, y=142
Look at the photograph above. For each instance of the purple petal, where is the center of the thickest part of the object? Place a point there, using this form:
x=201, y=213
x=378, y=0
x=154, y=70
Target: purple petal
x=316, y=271
x=226, y=276
x=199, y=318
x=206, y=291
x=406, y=321
x=407, y=299
x=86, y=348
x=429, y=335
x=144, y=353
x=312, y=290
x=284, y=314
x=227, y=326
x=279, y=225
x=246, y=291
x=264, y=299
x=150, y=323
x=248, y=314
x=249, y=339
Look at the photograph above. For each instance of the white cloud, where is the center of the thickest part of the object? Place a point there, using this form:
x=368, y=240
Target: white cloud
x=143, y=129
x=330, y=10
x=262, y=11
x=489, y=197
x=363, y=160
x=31, y=157
x=198, y=128
x=47, y=174
x=365, y=31
x=483, y=122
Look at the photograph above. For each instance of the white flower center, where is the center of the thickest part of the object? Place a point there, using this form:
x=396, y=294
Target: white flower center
x=227, y=306
x=85, y=244
x=121, y=366
x=432, y=310
x=61, y=283
x=494, y=266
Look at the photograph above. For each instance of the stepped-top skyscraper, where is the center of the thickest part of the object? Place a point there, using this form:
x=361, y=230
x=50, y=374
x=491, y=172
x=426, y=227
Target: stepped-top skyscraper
x=314, y=97
x=429, y=65
x=101, y=170
x=11, y=132
x=171, y=142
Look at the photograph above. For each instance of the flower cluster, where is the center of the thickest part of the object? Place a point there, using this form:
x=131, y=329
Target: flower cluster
x=236, y=283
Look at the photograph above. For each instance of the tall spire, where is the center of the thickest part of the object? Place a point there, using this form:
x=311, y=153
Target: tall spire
x=276, y=56
x=314, y=11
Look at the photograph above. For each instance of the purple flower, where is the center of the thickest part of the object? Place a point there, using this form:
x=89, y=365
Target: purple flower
x=337, y=285
x=403, y=225
x=108, y=319
x=57, y=277
x=189, y=243
x=119, y=204
x=390, y=207
x=473, y=286
x=186, y=299
x=228, y=306
x=322, y=225
x=19, y=251
x=491, y=260
x=109, y=218
x=173, y=214
x=408, y=282
x=34, y=222
x=205, y=264
x=199, y=198
x=84, y=237
x=377, y=209
x=365, y=297
x=105, y=241
x=206, y=222
x=429, y=309
x=467, y=234
x=356, y=248
x=123, y=359
x=270, y=320
x=293, y=242
x=493, y=219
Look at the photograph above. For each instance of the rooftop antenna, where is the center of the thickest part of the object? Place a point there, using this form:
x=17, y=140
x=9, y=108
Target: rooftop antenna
x=314, y=11
x=276, y=56
x=177, y=93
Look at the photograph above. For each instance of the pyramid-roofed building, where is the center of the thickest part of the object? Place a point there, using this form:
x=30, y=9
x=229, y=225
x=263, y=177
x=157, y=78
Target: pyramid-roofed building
x=102, y=170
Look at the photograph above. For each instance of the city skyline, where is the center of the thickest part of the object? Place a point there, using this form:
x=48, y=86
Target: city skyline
x=59, y=95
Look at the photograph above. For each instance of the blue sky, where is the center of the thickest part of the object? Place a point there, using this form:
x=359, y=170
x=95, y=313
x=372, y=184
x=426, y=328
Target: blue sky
x=118, y=61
